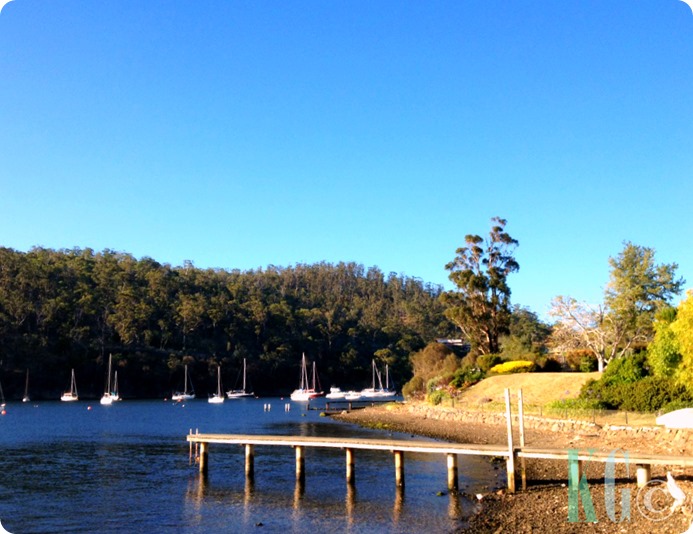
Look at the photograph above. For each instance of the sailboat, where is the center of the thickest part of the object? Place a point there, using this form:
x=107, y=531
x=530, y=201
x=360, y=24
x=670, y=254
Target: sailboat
x=379, y=391
x=239, y=393
x=187, y=394
x=218, y=397
x=110, y=394
x=26, y=398
x=2, y=398
x=71, y=395
x=306, y=391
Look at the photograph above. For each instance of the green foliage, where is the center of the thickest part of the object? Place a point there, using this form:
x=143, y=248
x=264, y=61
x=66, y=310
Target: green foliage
x=480, y=307
x=663, y=354
x=582, y=360
x=527, y=335
x=625, y=370
x=466, y=376
x=487, y=361
x=651, y=394
x=515, y=366
x=438, y=396
x=682, y=328
x=70, y=308
x=435, y=364
x=648, y=394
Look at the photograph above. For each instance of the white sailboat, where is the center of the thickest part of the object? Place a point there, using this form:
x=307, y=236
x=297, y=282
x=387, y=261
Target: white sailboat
x=2, y=397
x=111, y=392
x=307, y=391
x=218, y=397
x=70, y=396
x=379, y=391
x=26, y=398
x=187, y=394
x=240, y=393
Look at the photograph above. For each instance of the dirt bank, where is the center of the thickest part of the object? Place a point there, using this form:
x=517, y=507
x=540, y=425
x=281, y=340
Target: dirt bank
x=544, y=506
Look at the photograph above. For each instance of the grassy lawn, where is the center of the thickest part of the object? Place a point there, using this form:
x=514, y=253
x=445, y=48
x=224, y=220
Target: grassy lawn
x=538, y=389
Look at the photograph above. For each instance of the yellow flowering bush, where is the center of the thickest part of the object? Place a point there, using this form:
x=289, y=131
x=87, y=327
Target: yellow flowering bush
x=515, y=366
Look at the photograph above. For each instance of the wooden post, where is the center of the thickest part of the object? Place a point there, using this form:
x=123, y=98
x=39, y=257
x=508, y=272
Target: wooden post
x=399, y=468
x=300, y=465
x=510, y=463
x=642, y=474
x=249, y=461
x=203, y=458
x=350, y=475
x=521, y=418
x=452, y=472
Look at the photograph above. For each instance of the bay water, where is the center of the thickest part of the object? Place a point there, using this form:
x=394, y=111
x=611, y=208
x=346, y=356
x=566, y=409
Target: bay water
x=83, y=467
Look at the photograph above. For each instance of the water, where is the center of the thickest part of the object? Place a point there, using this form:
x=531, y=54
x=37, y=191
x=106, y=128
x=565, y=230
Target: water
x=82, y=467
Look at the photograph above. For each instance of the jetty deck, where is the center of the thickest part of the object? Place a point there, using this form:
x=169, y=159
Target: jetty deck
x=574, y=457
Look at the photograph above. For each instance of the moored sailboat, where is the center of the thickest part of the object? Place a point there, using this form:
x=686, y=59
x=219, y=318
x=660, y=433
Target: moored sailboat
x=243, y=392
x=187, y=394
x=218, y=397
x=111, y=392
x=307, y=391
x=26, y=398
x=71, y=395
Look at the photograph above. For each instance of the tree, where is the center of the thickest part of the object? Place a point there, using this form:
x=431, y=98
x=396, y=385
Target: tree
x=683, y=330
x=581, y=326
x=663, y=354
x=637, y=289
x=481, y=305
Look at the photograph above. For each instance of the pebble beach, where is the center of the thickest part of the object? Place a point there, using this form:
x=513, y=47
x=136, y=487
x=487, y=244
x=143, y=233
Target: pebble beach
x=543, y=507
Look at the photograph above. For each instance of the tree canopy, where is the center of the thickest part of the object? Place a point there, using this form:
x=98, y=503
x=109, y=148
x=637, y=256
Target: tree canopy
x=61, y=309
x=480, y=307
x=638, y=288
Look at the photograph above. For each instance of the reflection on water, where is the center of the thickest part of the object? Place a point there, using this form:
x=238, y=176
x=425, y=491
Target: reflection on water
x=69, y=469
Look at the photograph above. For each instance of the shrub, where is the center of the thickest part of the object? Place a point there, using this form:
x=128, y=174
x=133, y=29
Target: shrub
x=626, y=369
x=465, y=376
x=436, y=397
x=549, y=365
x=487, y=361
x=517, y=366
x=652, y=393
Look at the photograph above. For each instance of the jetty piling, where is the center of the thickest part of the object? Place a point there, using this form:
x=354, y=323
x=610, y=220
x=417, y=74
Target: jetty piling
x=452, y=451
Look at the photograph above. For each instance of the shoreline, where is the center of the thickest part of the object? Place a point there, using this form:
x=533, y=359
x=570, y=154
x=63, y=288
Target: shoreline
x=544, y=505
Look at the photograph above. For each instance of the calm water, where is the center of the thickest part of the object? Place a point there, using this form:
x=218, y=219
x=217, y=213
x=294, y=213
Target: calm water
x=82, y=467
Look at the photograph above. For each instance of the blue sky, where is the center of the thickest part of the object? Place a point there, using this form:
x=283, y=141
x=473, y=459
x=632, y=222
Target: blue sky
x=246, y=134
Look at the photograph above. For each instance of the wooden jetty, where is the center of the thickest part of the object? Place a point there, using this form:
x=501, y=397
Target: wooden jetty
x=510, y=453
x=396, y=447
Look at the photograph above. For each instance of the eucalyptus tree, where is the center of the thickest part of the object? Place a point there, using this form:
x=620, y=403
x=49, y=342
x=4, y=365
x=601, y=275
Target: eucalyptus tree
x=480, y=306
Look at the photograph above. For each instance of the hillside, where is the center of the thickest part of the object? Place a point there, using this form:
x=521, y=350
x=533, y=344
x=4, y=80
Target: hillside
x=537, y=388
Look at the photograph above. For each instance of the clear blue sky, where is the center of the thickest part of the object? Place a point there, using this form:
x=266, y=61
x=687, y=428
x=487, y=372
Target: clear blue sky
x=243, y=134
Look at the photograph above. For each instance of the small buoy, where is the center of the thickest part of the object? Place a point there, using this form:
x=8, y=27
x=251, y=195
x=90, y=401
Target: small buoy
x=4, y=412
x=88, y=407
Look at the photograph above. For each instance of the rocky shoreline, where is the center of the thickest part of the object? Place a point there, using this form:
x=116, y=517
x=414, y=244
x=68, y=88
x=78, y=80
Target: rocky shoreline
x=543, y=506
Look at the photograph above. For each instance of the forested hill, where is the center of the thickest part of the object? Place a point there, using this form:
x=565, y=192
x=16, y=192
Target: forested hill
x=64, y=309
